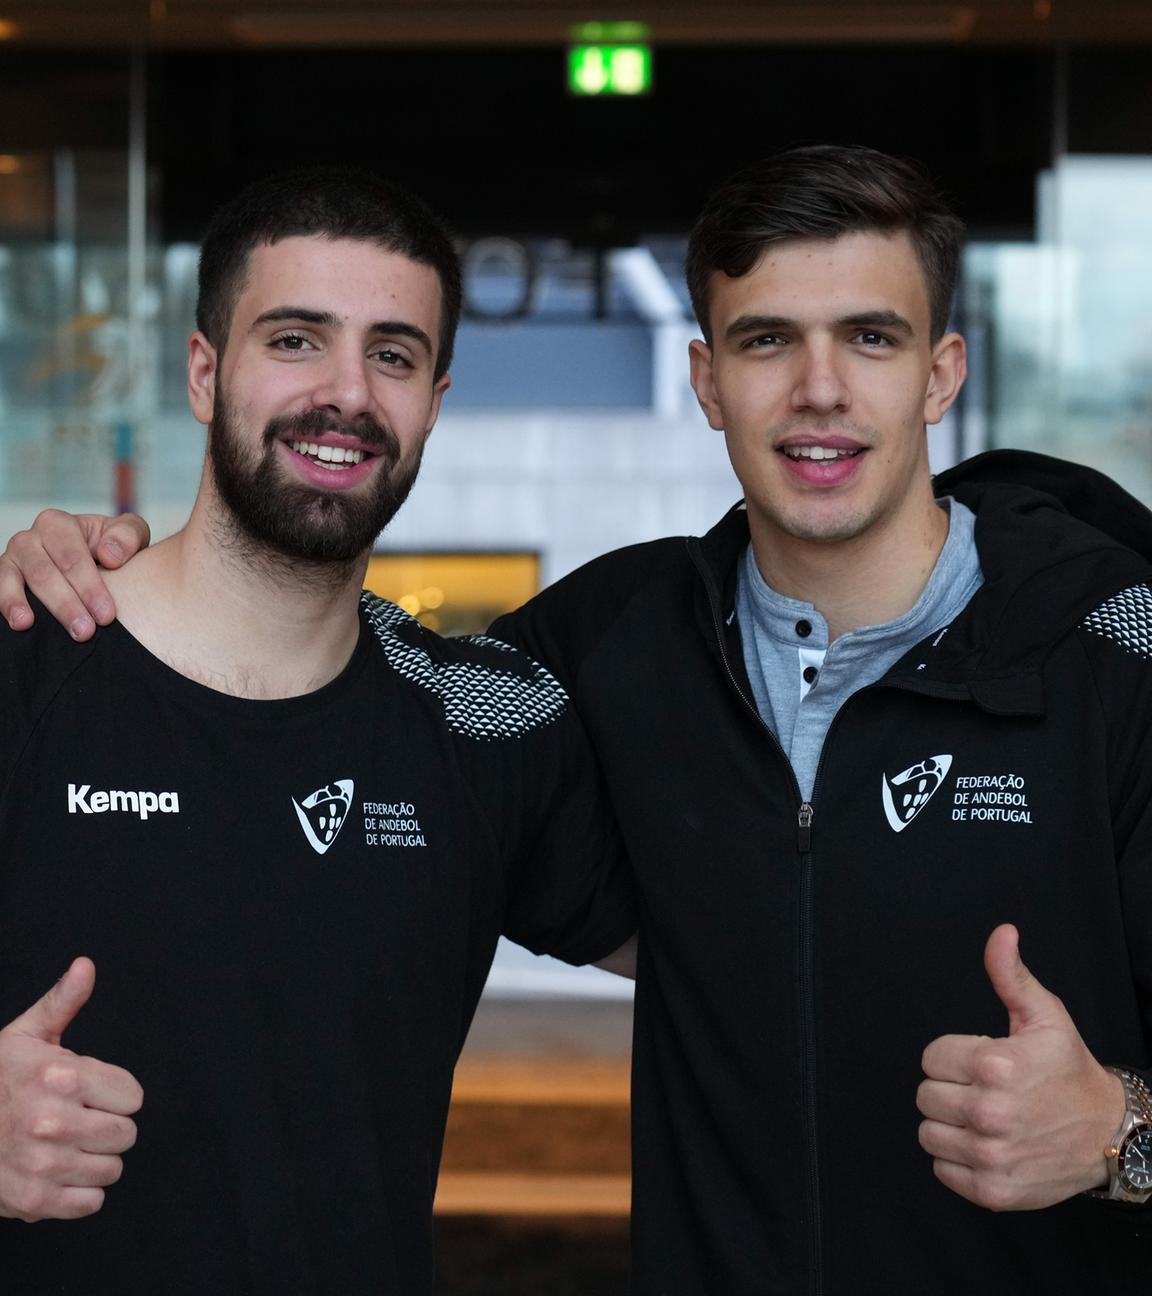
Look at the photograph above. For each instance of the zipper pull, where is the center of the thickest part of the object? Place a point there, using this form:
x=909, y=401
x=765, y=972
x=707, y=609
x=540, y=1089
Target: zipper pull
x=805, y=835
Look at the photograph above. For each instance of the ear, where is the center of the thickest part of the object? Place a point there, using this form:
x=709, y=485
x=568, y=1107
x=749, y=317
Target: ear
x=949, y=369
x=704, y=382
x=202, y=362
x=439, y=388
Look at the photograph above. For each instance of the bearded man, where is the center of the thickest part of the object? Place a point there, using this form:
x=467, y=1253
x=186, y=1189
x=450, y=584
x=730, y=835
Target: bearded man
x=286, y=823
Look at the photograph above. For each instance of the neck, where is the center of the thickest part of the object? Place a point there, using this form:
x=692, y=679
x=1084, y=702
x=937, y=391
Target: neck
x=237, y=618
x=869, y=579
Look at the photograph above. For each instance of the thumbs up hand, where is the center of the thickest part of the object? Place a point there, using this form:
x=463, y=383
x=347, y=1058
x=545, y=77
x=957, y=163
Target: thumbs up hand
x=1020, y=1122
x=64, y=1119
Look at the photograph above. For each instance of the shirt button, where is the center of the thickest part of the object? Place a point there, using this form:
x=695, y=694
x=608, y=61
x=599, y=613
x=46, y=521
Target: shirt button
x=810, y=673
x=803, y=629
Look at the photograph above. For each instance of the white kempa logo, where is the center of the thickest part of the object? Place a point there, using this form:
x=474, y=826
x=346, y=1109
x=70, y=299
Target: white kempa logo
x=322, y=813
x=907, y=793
x=82, y=800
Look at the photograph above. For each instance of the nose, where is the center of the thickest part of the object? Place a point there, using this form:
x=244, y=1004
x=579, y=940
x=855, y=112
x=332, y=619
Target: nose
x=342, y=382
x=820, y=386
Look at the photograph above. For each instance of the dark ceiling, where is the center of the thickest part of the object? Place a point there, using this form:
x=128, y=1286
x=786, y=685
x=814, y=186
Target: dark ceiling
x=986, y=94
x=255, y=24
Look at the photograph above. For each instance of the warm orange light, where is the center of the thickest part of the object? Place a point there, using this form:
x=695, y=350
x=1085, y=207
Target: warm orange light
x=7, y=29
x=9, y=164
x=455, y=593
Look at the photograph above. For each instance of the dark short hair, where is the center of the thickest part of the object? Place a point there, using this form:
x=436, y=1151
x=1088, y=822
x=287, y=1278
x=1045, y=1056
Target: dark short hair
x=323, y=202
x=823, y=192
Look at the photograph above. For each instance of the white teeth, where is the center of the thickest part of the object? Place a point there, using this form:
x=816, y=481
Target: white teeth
x=818, y=452
x=330, y=456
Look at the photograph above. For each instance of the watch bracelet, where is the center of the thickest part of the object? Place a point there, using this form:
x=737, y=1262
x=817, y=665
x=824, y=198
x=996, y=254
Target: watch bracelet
x=1138, y=1102
x=1137, y=1095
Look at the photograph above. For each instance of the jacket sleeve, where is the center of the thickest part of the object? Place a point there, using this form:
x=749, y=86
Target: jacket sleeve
x=566, y=623
x=1117, y=638
x=550, y=629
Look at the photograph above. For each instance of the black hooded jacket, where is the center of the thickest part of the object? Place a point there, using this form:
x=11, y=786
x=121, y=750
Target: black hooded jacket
x=795, y=960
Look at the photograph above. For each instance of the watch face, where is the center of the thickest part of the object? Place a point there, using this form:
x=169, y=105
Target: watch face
x=1136, y=1161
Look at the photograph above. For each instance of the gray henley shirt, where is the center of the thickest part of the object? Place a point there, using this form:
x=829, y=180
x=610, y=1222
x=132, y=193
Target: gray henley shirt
x=799, y=681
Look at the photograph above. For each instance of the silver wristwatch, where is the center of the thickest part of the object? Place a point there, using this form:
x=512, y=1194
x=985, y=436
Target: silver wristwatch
x=1129, y=1155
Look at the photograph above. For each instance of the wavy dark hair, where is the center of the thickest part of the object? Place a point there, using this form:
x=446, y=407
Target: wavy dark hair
x=823, y=192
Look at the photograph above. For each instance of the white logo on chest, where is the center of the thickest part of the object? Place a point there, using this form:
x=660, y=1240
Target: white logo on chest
x=322, y=813
x=907, y=793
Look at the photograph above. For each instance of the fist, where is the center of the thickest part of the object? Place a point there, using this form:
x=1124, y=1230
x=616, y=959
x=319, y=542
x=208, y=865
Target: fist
x=1021, y=1121
x=64, y=1119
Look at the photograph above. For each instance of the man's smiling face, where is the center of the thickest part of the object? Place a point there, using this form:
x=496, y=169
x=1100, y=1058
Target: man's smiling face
x=822, y=374
x=320, y=403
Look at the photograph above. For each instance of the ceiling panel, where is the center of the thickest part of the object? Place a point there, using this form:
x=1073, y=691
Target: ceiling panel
x=279, y=23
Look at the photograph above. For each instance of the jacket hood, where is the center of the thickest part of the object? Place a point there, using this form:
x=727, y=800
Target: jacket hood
x=1055, y=540
x=1082, y=492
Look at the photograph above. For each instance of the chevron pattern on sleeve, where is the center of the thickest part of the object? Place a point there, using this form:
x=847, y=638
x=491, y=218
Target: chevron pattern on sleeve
x=479, y=701
x=1126, y=619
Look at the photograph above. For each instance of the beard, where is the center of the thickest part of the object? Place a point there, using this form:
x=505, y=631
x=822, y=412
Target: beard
x=292, y=519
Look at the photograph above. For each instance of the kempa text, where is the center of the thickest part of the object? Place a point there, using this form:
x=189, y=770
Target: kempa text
x=82, y=800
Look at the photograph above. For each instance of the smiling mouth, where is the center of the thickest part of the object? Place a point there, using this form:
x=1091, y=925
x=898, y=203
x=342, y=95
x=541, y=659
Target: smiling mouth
x=335, y=458
x=818, y=453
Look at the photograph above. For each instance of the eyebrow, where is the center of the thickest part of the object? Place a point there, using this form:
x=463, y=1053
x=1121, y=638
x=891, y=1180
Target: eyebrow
x=326, y=319
x=757, y=324
x=888, y=319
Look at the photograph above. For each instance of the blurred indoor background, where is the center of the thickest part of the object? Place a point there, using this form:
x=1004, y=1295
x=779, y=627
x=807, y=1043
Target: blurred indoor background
x=568, y=144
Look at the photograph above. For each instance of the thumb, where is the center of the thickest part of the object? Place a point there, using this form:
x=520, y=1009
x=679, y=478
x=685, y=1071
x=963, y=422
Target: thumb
x=120, y=538
x=1027, y=1001
x=51, y=1016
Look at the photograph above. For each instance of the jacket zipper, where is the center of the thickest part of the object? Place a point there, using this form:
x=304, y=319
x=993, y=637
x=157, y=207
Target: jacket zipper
x=804, y=817
x=808, y=968
x=808, y=1039
x=807, y=956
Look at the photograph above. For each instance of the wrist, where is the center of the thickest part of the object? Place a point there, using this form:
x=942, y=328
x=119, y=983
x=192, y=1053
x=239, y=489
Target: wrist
x=1127, y=1152
x=1112, y=1112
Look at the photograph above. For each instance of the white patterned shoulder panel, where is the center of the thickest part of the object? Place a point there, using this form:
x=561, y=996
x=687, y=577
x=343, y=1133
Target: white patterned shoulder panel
x=1126, y=619
x=480, y=700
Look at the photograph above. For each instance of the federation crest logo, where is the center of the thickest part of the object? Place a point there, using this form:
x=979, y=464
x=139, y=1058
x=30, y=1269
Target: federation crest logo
x=907, y=793
x=322, y=813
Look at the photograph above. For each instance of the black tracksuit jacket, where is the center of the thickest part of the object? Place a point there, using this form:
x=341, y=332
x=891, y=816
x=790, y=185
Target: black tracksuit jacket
x=795, y=960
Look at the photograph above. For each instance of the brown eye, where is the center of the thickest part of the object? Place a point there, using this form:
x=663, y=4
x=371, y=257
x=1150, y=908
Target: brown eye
x=290, y=342
x=387, y=356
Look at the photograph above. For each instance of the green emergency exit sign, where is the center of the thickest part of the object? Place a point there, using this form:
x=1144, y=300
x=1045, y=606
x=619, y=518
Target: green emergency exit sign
x=609, y=59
